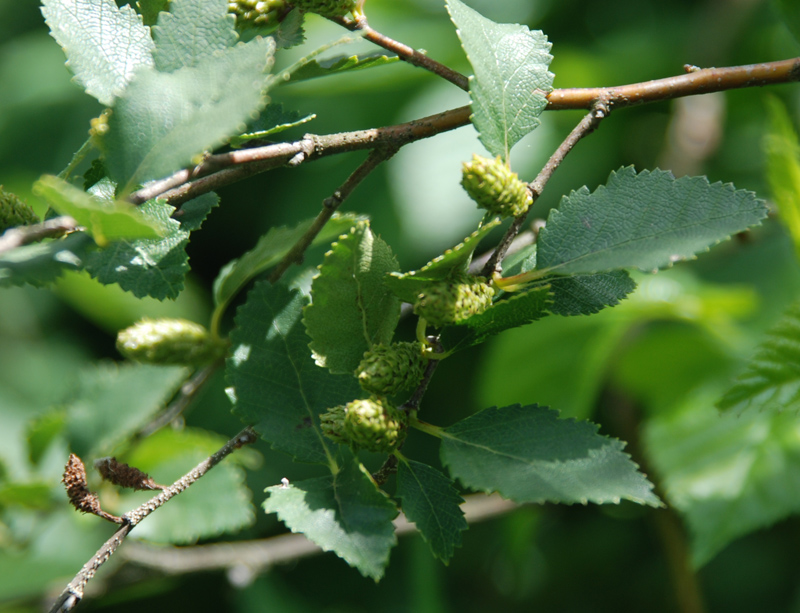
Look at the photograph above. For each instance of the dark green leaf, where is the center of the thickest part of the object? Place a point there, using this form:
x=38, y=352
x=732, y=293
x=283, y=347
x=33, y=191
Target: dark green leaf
x=648, y=220
x=432, y=503
x=192, y=32
x=771, y=381
x=42, y=263
x=340, y=64
x=149, y=10
x=408, y=285
x=272, y=120
x=275, y=384
x=588, y=294
x=351, y=309
x=194, y=213
x=105, y=45
x=269, y=250
x=529, y=455
x=165, y=119
x=511, y=79
x=344, y=513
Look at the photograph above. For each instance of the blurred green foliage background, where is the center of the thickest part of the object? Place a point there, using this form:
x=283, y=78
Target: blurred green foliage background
x=638, y=370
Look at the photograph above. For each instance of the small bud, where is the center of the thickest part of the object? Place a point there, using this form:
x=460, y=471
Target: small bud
x=326, y=8
x=387, y=369
x=169, y=341
x=14, y=212
x=455, y=300
x=374, y=425
x=119, y=473
x=80, y=496
x=494, y=187
x=332, y=424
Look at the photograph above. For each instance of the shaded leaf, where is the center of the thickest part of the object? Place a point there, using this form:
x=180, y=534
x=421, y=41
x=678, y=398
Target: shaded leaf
x=106, y=219
x=113, y=402
x=218, y=503
x=588, y=294
x=269, y=250
x=409, y=285
x=272, y=120
x=290, y=32
x=165, y=119
x=351, y=309
x=529, y=455
x=771, y=381
x=275, y=385
x=511, y=77
x=340, y=64
x=648, y=220
x=149, y=9
x=42, y=263
x=192, y=32
x=193, y=213
x=432, y=503
x=105, y=45
x=344, y=513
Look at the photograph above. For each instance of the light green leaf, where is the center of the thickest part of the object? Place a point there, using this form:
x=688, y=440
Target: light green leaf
x=511, y=77
x=340, y=64
x=270, y=249
x=105, y=45
x=783, y=167
x=351, y=309
x=42, y=263
x=408, y=285
x=432, y=503
x=165, y=119
x=106, y=219
x=529, y=455
x=771, y=381
x=519, y=310
x=192, y=32
x=728, y=475
x=218, y=503
x=145, y=267
x=648, y=220
x=275, y=385
x=273, y=120
x=113, y=402
x=344, y=513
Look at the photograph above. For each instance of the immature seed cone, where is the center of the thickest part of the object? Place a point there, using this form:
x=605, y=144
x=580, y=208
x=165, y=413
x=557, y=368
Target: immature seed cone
x=454, y=300
x=374, y=425
x=14, y=212
x=258, y=13
x=387, y=369
x=332, y=423
x=169, y=341
x=119, y=473
x=494, y=187
x=326, y=8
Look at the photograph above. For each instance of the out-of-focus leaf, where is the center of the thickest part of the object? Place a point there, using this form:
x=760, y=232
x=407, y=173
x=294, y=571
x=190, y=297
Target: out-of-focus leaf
x=42, y=263
x=528, y=454
x=272, y=120
x=105, y=44
x=344, y=513
x=351, y=309
x=340, y=64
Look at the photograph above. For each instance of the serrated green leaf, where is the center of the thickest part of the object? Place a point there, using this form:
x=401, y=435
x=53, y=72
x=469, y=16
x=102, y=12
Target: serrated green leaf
x=588, y=294
x=145, y=267
x=344, y=513
x=218, y=503
x=194, y=213
x=273, y=120
x=105, y=45
x=270, y=249
x=432, y=503
x=771, y=381
x=165, y=119
x=783, y=167
x=192, y=31
x=519, y=310
x=113, y=402
x=351, y=309
x=106, y=219
x=511, y=77
x=728, y=475
x=340, y=64
x=42, y=263
x=529, y=455
x=275, y=385
x=648, y=220
x=409, y=285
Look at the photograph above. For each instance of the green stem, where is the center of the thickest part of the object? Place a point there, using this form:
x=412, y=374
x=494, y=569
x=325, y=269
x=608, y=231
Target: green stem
x=427, y=428
x=515, y=283
x=77, y=158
